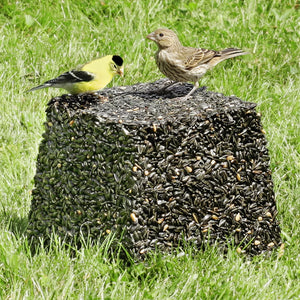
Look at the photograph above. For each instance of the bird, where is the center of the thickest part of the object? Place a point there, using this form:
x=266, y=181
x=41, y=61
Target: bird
x=183, y=64
x=88, y=78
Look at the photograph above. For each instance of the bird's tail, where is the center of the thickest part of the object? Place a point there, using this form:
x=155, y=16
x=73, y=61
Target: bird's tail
x=232, y=52
x=227, y=53
x=42, y=86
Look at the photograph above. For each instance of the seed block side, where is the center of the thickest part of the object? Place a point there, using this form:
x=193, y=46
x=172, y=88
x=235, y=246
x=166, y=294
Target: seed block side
x=155, y=171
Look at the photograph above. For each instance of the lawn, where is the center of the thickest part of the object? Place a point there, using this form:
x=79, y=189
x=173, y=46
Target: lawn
x=42, y=39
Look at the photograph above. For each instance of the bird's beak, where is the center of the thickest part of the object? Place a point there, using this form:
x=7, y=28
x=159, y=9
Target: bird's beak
x=151, y=36
x=121, y=71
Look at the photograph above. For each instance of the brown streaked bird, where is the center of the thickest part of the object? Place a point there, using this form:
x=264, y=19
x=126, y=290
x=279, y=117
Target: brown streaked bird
x=182, y=64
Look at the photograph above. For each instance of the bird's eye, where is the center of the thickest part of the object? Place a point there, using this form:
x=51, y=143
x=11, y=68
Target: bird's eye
x=161, y=34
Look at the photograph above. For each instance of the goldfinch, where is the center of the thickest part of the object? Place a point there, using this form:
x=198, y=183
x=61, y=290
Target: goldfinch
x=182, y=64
x=88, y=78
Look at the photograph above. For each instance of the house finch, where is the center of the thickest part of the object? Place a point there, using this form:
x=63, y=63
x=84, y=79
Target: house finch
x=182, y=64
x=88, y=78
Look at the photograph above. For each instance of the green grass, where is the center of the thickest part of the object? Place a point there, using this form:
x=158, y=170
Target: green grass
x=41, y=39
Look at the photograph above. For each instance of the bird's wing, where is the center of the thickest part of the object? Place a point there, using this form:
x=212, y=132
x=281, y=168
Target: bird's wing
x=196, y=57
x=73, y=76
x=66, y=80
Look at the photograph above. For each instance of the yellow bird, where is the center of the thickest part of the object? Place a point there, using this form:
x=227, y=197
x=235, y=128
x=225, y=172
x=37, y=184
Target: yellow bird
x=90, y=77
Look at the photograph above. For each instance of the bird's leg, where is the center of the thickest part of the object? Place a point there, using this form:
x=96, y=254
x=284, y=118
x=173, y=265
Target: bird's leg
x=196, y=85
x=167, y=86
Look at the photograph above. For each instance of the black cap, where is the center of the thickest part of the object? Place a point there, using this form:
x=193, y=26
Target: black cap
x=118, y=60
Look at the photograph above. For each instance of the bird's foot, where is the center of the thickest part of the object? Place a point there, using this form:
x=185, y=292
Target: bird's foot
x=165, y=88
x=186, y=97
x=102, y=99
x=183, y=98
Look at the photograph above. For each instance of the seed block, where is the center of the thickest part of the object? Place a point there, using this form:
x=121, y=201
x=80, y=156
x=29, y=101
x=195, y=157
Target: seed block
x=155, y=170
